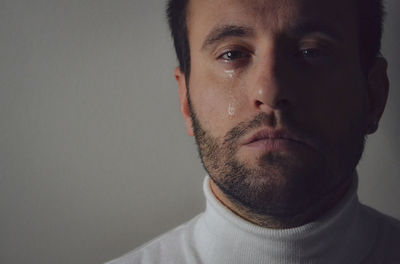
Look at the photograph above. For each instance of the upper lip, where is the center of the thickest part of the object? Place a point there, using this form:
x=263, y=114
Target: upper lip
x=272, y=134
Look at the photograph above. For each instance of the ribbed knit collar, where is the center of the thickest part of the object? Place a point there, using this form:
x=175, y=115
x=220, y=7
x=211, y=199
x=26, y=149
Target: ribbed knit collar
x=340, y=236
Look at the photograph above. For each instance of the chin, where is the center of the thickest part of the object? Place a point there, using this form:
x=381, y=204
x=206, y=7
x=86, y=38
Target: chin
x=277, y=183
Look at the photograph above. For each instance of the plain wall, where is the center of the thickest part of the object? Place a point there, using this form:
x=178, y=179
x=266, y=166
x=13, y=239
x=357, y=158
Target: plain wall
x=94, y=158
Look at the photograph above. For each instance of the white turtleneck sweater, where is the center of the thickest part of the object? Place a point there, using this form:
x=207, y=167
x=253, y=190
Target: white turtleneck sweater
x=349, y=233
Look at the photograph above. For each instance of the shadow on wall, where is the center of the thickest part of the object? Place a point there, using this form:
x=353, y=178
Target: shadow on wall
x=391, y=51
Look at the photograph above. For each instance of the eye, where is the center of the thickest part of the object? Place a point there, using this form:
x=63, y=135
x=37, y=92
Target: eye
x=232, y=55
x=311, y=53
x=314, y=56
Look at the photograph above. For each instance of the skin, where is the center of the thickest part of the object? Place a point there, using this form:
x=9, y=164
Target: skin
x=275, y=72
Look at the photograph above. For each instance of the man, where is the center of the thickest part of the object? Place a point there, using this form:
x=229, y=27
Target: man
x=280, y=95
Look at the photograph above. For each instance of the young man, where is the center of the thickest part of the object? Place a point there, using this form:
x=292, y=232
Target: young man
x=280, y=96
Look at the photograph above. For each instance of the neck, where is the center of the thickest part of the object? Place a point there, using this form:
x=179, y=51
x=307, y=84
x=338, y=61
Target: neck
x=278, y=222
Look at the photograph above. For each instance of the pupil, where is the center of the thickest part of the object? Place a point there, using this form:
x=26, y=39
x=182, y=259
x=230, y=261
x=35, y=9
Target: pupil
x=232, y=55
x=310, y=53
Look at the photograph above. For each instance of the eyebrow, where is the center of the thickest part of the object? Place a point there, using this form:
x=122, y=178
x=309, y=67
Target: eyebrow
x=220, y=33
x=312, y=27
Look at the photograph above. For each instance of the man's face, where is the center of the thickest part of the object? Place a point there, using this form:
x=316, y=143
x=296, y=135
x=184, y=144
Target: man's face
x=277, y=98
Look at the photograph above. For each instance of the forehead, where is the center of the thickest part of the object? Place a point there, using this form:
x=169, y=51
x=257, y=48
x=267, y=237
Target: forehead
x=272, y=16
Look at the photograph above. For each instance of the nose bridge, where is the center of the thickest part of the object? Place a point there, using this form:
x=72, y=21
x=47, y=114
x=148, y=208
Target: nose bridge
x=268, y=91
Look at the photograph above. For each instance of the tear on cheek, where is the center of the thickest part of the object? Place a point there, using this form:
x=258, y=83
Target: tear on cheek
x=230, y=74
x=231, y=109
x=233, y=106
x=234, y=91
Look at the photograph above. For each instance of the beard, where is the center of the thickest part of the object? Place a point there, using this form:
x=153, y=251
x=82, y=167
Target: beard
x=280, y=184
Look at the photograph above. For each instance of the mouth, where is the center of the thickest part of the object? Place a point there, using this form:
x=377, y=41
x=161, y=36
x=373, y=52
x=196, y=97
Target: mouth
x=268, y=139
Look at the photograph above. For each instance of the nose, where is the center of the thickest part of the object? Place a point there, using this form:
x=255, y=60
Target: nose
x=270, y=88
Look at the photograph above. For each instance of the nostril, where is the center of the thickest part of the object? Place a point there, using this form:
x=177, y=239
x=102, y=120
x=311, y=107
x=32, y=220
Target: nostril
x=258, y=103
x=281, y=104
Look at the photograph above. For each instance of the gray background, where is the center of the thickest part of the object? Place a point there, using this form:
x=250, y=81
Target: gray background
x=94, y=159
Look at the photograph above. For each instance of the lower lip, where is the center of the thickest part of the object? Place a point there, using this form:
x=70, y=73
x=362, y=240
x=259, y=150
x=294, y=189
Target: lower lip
x=269, y=144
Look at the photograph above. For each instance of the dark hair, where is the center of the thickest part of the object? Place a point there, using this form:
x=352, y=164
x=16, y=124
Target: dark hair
x=176, y=14
x=370, y=27
x=370, y=23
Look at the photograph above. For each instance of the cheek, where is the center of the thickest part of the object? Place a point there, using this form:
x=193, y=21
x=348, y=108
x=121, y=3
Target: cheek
x=337, y=103
x=217, y=98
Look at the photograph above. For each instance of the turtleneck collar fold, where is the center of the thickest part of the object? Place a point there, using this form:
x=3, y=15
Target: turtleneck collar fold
x=339, y=236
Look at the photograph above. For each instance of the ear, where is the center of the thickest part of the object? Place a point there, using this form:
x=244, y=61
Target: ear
x=378, y=89
x=183, y=100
